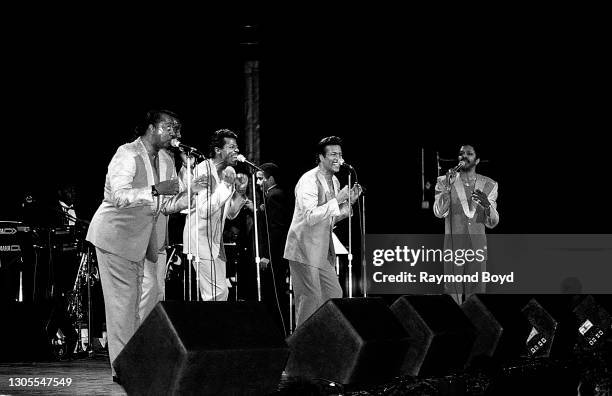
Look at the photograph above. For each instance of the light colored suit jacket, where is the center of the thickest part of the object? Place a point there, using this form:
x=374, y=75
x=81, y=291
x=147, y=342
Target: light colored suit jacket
x=314, y=216
x=123, y=224
x=465, y=221
x=217, y=203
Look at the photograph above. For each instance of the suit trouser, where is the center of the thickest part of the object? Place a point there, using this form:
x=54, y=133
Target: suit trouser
x=312, y=286
x=122, y=287
x=461, y=291
x=213, y=284
x=153, y=284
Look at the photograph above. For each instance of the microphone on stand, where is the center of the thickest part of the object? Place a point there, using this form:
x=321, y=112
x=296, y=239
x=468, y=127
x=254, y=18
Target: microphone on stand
x=183, y=147
x=344, y=163
x=242, y=159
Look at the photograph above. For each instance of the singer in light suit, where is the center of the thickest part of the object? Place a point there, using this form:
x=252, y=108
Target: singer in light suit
x=319, y=204
x=468, y=203
x=222, y=199
x=129, y=228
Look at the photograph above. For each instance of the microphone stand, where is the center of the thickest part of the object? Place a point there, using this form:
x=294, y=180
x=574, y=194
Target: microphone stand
x=350, y=245
x=190, y=257
x=197, y=227
x=187, y=279
x=257, y=258
x=363, y=257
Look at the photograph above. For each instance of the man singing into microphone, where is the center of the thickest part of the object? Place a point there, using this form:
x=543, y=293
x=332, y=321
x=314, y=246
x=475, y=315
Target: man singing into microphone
x=129, y=228
x=319, y=204
x=224, y=196
x=467, y=201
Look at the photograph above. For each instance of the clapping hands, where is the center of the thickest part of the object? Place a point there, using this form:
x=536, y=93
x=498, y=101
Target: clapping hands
x=241, y=183
x=345, y=194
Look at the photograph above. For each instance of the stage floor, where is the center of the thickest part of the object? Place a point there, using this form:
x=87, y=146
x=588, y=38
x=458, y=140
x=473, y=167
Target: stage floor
x=87, y=375
x=92, y=375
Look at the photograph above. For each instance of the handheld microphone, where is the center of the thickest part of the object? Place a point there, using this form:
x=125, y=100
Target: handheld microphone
x=241, y=158
x=460, y=165
x=183, y=147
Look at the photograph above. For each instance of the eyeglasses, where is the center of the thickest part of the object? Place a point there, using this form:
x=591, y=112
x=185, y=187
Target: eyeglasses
x=231, y=146
x=334, y=155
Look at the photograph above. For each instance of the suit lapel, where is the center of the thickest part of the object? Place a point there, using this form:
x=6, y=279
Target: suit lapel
x=336, y=185
x=142, y=151
x=163, y=167
x=480, y=183
x=463, y=199
x=323, y=182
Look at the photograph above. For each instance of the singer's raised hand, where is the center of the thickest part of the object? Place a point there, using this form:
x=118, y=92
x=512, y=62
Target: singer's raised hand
x=229, y=175
x=168, y=187
x=451, y=175
x=241, y=183
x=481, y=199
x=343, y=195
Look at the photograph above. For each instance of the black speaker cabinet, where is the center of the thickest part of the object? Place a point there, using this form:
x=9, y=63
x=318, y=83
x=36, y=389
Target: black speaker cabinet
x=594, y=322
x=441, y=336
x=502, y=329
x=204, y=348
x=553, y=325
x=356, y=340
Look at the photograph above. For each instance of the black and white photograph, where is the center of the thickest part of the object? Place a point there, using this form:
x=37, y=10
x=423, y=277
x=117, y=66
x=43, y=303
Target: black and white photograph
x=321, y=204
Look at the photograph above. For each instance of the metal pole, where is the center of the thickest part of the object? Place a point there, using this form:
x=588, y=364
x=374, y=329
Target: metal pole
x=291, y=305
x=257, y=258
x=89, y=332
x=197, y=227
x=189, y=255
x=350, y=245
x=363, y=254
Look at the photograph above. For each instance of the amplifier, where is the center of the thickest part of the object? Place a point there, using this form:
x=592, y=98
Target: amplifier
x=9, y=238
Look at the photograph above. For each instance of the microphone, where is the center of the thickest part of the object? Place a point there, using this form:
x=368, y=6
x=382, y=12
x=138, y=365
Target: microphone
x=241, y=158
x=344, y=163
x=183, y=147
x=460, y=165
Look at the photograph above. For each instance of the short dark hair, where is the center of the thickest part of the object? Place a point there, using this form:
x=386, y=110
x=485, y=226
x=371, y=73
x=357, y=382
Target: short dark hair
x=327, y=141
x=271, y=169
x=153, y=117
x=218, y=139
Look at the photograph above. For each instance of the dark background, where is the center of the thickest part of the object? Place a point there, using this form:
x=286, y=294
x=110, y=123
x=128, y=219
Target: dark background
x=529, y=98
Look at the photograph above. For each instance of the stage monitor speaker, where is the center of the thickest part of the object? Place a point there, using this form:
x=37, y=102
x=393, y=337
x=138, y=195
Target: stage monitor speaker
x=553, y=325
x=441, y=336
x=206, y=348
x=348, y=341
x=594, y=322
x=502, y=329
